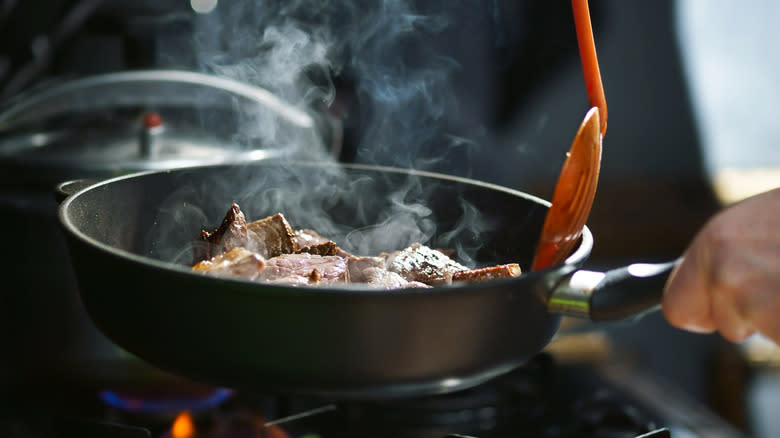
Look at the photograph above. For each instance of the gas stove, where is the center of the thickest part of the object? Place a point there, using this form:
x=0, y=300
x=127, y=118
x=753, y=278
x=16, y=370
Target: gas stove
x=544, y=398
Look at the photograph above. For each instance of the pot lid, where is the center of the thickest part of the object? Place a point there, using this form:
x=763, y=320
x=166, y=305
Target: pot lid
x=153, y=119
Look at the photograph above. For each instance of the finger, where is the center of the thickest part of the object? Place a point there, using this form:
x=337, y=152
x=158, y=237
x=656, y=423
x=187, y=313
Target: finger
x=729, y=279
x=686, y=302
x=745, y=291
x=729, y=314
x=736, y=271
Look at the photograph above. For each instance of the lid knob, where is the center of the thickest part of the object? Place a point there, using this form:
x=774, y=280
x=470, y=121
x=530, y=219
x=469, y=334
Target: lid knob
x=152, y=126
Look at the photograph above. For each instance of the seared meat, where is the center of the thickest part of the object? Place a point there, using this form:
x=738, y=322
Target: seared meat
x=421, y=263
x=306, y=237
x=372, y=271
x=312, y=242
x=271, y=236
x=303, y=269
x=231, y=233
x=324, y=249
x=235, y=262
x=490, y=273
x=269, y=250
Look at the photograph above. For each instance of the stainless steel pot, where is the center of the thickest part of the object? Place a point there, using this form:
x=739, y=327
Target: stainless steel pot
x=103, y=126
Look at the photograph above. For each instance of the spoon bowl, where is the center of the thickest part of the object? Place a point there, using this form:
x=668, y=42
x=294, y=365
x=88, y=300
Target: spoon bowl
x=573, y=196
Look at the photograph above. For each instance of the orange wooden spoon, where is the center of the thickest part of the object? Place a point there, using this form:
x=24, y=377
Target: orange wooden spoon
x=576, y=187
x=590, y=63
x=573, y=196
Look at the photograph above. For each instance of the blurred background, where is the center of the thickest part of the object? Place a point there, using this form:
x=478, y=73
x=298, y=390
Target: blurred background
x=491, y=90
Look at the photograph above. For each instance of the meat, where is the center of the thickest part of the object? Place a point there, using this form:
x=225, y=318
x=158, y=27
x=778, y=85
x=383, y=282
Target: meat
x=421, y=263
x=236, y=262
x=373, y=272
x=324, y=249
x=306, y=237
x=304, y=269
x=270, y=250
x=490, y=273
x=231, y=233
x=271, y=236
x=312, y=242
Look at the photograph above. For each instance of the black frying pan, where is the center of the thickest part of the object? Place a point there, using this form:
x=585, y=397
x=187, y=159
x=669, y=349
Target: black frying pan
x=127, y=234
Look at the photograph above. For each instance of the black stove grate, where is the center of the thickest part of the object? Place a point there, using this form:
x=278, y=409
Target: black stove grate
x=542, y=399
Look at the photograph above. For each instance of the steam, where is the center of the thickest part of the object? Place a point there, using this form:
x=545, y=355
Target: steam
x=407, y=81
x=294, y=49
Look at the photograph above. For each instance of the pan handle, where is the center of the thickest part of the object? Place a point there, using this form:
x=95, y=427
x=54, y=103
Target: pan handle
x=67, y=188
x=613, y=295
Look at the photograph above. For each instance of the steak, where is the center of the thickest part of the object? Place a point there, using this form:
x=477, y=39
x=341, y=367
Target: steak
x=231, y=233
x=324, y=249
x=304, y=269
x=373, y=271
x=271, y=236
x=235, y=262
x=490, y=273
x=312, y=242
x=269, y=250
x=306, y=237
x=421, y=263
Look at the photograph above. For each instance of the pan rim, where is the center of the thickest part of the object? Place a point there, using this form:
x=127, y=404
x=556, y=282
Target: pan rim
x=576, y=258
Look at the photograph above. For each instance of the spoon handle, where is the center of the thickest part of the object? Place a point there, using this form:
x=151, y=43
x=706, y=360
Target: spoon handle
x=590, y=62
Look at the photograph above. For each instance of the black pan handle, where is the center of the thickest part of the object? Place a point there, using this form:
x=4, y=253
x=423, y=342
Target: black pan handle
x=629, y=291
x=617, y=294
x=67, y=188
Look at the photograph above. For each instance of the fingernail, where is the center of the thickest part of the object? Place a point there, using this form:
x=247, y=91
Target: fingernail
x=695, y=328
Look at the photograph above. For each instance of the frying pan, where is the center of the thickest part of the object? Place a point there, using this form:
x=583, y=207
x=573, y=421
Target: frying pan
x=129, y=240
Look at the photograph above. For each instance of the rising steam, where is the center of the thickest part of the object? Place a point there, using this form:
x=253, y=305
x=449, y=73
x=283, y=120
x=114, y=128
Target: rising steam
x=294, y=49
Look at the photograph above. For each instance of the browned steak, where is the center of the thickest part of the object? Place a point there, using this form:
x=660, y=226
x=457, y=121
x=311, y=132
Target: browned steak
x=271, y=236
x=235, y=262
x=373, y=272
x=304, y=269
x=490, y=273
x=269, y=250
x=324, y=249
x=306, y=237
x=312, y=242
x=231, y=233
x=421, y=263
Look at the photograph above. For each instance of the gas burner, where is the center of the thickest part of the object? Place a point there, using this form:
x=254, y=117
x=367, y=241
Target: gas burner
x=236, y=424
x=604, y=411
x=542, y=399
x=164, y=403
x=515, y=400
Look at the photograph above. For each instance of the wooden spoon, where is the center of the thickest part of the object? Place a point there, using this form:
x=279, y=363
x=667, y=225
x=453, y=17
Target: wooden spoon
x=576, y=188
x=590, y=62
x=573, y=196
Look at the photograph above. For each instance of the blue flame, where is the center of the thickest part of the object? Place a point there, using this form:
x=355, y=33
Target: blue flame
x=163, y=405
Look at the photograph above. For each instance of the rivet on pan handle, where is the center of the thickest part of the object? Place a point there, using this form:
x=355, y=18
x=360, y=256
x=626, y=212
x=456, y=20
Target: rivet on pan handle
x=616, y=294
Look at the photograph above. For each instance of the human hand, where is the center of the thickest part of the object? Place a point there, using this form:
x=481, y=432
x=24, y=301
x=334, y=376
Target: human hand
x=729, y=279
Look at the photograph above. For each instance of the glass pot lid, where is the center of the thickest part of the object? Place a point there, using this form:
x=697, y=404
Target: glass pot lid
x=152, y=119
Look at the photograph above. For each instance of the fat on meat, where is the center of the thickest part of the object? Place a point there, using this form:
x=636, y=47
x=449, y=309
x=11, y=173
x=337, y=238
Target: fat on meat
x=237, y=262
x=373, y=272
x=426, y=265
